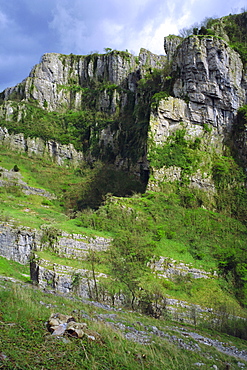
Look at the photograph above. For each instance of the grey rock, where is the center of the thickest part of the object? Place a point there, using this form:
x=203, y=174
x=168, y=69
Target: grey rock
x=241, y=365
x=171, y=43
x=48, y=80
x=17, y=244
x=59, y=153
x=209, y=87
x=212, y=75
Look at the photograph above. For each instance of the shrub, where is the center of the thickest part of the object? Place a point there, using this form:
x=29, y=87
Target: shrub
x=16, y=168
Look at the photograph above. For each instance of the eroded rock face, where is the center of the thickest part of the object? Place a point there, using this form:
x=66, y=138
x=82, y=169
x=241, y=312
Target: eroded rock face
x=17, y=244
x=173, y=114
x=171, y=43
x=59, y=153
x=211, y=77
x=210, y=86
x=51, y=81
x=64, y=279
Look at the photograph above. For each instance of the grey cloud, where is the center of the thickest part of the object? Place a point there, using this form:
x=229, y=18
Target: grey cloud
x=31, y=28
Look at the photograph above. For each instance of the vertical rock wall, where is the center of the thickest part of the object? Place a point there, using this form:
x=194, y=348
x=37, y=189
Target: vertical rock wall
x=16, y=243
x=58, y=82
x=59, y=153
x=210, y=76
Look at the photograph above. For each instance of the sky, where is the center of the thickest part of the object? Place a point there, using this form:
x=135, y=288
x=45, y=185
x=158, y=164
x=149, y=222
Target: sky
x=31, y=28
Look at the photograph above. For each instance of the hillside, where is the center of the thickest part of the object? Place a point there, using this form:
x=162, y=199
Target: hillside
x=123, y=182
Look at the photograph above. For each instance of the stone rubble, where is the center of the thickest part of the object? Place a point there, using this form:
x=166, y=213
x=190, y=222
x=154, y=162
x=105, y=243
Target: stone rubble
x=59, y=325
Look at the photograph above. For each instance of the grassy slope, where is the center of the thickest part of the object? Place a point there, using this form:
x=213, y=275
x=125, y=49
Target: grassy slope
x=21, y=306
x=192, y=236
x=26, y=344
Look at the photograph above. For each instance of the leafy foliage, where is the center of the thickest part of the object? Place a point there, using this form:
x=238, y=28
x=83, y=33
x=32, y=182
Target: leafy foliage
x=235, y=27
x=128, y=258
x=229, y=179
x=176, y=151
x=97, y=182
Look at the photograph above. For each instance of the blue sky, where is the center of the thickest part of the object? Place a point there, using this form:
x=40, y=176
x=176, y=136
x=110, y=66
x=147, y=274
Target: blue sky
x=30, y=28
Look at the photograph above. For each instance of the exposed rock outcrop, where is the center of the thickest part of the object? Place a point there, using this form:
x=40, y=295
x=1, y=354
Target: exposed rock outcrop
x=60, y=81
x=63, y=279
x=210, y=76
x=174, y=114
x=18, y=243
x=209, y=87
x=77, y=246
x=13, y=178
x=208, y=83
x=168, y=268
x=171, y=43
x=60, y=154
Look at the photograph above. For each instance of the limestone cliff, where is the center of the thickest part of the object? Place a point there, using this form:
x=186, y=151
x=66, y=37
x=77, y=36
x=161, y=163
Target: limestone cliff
x=209, y=88
x=59, y=81
x=121, y=98
x=19, y=243
x=211, y=76
x=109, y=91
x=60, y=154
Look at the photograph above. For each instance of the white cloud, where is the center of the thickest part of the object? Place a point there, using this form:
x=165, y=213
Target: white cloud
x=31, y=28
x=4, y=21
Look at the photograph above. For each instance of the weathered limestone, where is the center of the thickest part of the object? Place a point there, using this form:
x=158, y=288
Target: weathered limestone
x=210, y=75
x=209, y=87
x=77, y=246
x=51, y=81
x=168, y=268
x=13, y=178
x=61, y=278
x=171, y=43
x=59, y=153
x=174, y=114
x=17, y=243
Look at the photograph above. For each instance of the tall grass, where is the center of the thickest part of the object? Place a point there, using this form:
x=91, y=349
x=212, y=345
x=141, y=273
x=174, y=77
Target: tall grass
x=26, y=344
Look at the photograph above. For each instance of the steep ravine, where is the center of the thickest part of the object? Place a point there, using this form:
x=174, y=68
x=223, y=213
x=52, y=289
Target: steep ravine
x=206, y=75
x=166, y=119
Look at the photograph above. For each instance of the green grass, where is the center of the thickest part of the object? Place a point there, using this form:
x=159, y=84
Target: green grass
x=27, y=345
x=195, y=236
x=74, y=263
x=205, y=292
x=39, y=172
x=179, y=251
x=14, y=270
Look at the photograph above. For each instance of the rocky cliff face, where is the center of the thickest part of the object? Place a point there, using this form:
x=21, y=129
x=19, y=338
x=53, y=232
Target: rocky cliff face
x=60, y=154
x=105, y=87
x=17, y=243
x=210, y=75
x=207, y=85
x=59, y=81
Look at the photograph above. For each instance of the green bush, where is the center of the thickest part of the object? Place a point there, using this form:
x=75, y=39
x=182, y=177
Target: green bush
x=16, y=168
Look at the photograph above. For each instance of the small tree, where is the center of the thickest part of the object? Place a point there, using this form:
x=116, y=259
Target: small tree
x=128, y=257
x=107, y=50
x=93, y=259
